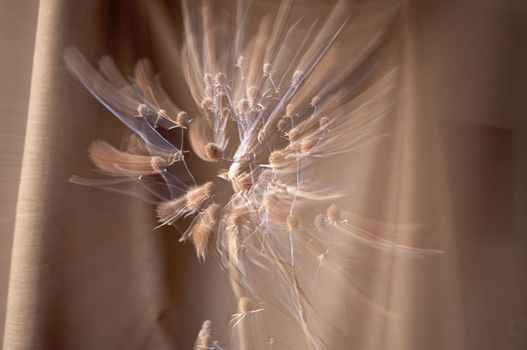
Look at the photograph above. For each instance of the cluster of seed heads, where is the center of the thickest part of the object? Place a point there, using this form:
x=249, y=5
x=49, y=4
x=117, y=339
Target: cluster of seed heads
x=266, y=118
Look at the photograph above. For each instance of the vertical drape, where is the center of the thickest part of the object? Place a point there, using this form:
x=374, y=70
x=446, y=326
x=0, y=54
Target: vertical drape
x=83, y=272
x=15, y=69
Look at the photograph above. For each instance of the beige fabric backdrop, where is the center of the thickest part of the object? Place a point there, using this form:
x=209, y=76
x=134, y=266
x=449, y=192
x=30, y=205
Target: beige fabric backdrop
x=82, y=269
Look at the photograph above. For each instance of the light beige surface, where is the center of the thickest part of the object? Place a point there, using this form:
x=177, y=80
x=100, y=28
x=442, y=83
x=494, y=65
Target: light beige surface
x=88, y=272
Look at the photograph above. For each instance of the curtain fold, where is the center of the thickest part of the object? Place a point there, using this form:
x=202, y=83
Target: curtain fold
x=80, y=265
x=15, y=69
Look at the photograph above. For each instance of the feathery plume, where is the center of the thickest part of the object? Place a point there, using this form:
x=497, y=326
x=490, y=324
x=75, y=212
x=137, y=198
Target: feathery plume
x=204, y=339
x=113, y=162
x=203, y=229
x=169, y=211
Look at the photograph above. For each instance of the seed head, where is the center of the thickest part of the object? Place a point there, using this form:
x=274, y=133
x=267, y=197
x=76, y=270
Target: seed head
x=197, y=196
x=204, y=339
x=206, y=104
x=213, y=153
x=294, y=133
x=114, y=162
x=333, y=213
x=282, y=125
x=244, y=305
x=159, y=164
x=174, y=157
x=220, y=79
x=240, y=62
x=242, y=182
x=163, y=114
x=252, y=92
x=212, y=213
x=297, y=77
x=183, y=119
x=143, y=110
x=289, y=109
x=315, y=101
x=261, y=136
x=244, y=106
x=169, y=211
x=203, y=229
x=320, y=222
x=267, y=70
x=323, y=122
x=276, y=158
x=209, y=188
x=200, y=239
x=225, y=113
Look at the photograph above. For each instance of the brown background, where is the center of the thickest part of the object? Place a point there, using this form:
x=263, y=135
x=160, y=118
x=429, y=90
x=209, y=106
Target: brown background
x=82, y=269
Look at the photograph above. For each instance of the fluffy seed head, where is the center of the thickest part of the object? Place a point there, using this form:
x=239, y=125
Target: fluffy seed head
x=240, y=62
x=282, y=125
x=333, y=213
x=213, y=153
x=182, y=118
x=220, y=79
x=294, y=134
x=142, y=109
x=212, y=213
x=225, y=113
x=163, y=114
x=168, y=211
x=323, y=122
x=267, y=70
x=276, y=158
x=261, y=136
x=203, y=229
x=297, y=77
x=206, y=104
x=114, y=162
x=159, y=164
x=244, y=305
x=252, y=92
x=197, y=196
x=174, y=157
x=209, y=188
x=204, y=339
x=315, y=101
x=242, y=182
x=244, y=106
x=200, y=239
x=289, y=109
x=320, y=222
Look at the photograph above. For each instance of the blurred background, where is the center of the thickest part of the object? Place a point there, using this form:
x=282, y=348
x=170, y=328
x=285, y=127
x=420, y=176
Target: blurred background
x=83, y=269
